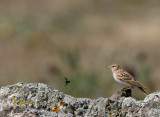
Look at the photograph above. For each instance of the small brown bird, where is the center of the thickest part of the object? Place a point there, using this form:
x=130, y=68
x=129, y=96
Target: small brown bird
x=125, y=78
x=66, y=81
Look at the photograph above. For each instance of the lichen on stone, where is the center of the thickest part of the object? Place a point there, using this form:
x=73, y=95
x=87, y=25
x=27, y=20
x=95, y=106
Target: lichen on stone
x=38, y=99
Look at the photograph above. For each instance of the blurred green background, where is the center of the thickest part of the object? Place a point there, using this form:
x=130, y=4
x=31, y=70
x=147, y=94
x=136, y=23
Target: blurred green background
x=45, y=41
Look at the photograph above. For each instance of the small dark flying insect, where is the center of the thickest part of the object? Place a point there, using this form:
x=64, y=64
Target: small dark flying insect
x=66, y=81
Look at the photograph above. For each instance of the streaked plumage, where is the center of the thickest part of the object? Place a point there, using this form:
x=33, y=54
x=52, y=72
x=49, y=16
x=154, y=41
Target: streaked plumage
x=125, y=78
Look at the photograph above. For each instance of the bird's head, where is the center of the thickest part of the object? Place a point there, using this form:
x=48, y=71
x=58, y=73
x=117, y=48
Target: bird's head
x=114, y=67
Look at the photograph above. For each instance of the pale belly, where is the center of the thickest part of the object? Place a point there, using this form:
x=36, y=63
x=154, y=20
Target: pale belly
x=120, y=81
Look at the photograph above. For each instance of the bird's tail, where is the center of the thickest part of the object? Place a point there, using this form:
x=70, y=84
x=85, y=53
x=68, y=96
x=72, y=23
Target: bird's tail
x=143, y=90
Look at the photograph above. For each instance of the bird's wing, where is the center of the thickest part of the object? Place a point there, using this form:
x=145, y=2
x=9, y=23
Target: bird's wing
x=123, y=75
x=135, y=83
x=126, y=77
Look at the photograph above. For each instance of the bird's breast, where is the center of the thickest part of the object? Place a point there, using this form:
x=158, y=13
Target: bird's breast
x=118, y=80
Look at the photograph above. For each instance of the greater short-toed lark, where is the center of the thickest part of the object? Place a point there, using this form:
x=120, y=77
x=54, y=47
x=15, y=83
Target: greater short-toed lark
x=125, y=78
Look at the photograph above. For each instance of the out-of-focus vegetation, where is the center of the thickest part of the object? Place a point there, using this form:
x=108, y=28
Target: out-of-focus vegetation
x=45, y=41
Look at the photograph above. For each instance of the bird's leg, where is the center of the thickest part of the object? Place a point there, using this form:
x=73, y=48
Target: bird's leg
x=126, y=88
x=129, y=87
x=127, y=91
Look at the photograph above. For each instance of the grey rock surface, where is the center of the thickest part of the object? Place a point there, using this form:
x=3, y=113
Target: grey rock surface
x=40, y=100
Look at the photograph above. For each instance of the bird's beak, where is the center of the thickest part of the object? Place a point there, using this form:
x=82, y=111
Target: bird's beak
x=109, y=66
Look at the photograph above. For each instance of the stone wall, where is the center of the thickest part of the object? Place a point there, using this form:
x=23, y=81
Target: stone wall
x=37, y=100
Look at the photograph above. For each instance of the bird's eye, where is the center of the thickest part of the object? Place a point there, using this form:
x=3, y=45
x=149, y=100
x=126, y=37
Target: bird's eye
x=113, y=66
